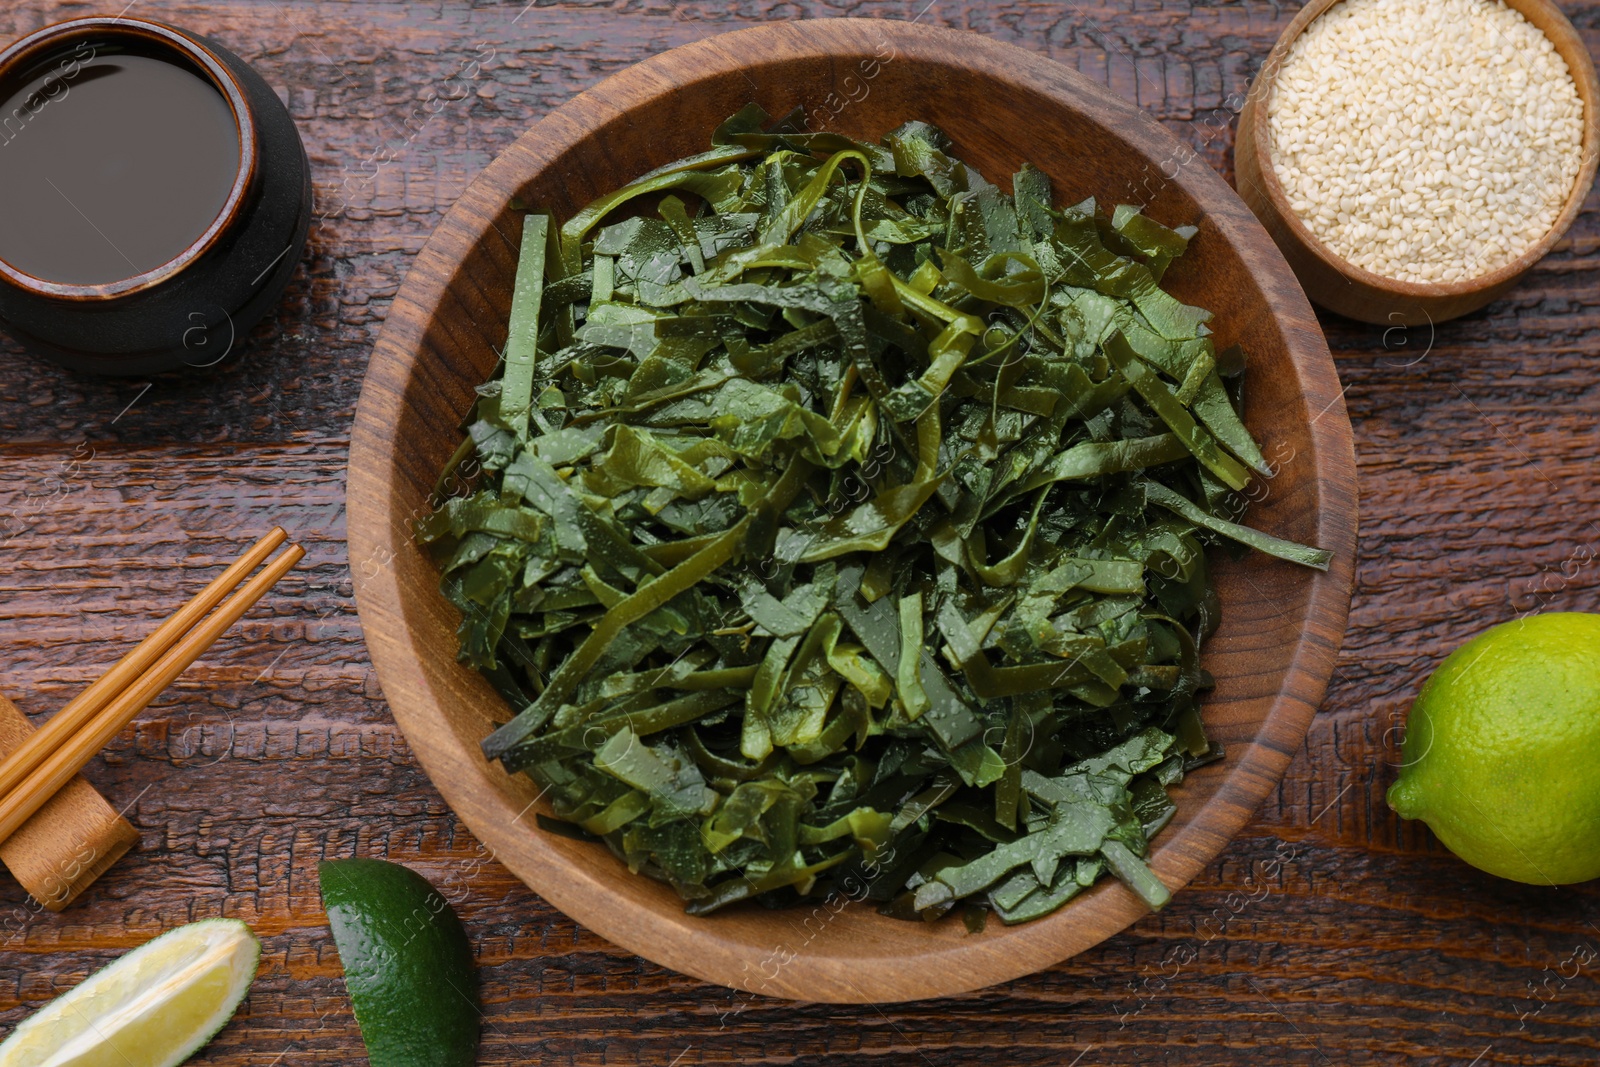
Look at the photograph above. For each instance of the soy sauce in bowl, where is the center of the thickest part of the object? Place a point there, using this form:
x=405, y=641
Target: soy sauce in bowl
x=115, y=164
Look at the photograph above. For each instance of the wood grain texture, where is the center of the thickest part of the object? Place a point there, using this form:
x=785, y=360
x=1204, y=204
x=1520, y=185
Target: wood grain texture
x=1281, y=623
x=1341, y=286
x=1326, y=933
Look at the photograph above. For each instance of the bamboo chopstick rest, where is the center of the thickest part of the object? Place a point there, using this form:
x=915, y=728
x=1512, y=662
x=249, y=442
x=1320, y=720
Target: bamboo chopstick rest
x=70, y=841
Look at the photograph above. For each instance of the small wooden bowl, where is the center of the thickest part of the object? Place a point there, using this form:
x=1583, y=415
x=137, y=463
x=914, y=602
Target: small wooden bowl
x=1360, y=294
x=1281, y=624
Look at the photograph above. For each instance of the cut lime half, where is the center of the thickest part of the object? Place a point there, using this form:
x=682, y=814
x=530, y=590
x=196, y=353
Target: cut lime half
x=153, y=1007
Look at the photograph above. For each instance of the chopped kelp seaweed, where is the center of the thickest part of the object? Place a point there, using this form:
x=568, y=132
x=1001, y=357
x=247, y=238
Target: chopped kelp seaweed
x=836, y=523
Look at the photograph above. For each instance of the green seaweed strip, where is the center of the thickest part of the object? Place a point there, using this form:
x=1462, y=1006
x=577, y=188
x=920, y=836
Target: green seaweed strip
x=912, y=696
x=1096, y=459
x=1212, y=407
x=1135, y=875
x=629, y=610
x=522, y=337
x=668, y=177
x=1272, y=546
x=1174, y=414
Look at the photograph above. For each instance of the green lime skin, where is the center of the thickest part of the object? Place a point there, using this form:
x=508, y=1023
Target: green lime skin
x=407, y=964
x=1502, y=751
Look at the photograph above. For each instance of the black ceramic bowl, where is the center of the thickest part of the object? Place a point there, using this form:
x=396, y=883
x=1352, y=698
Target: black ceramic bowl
x=191, y=309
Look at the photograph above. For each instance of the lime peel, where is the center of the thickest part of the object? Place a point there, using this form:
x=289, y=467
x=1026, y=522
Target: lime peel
x=407, y=964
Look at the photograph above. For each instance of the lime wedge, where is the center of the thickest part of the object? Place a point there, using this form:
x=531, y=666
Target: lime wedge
x=407, y=964
x=153, y=1007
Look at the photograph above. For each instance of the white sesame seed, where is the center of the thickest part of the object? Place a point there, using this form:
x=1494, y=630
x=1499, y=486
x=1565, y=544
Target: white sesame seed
x=1426, y=140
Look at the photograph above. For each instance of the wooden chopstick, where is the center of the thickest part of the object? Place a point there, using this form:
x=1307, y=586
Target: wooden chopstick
x=73, y=753
x=70, y=719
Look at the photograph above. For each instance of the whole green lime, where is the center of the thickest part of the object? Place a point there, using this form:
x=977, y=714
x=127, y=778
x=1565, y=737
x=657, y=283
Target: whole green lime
x=407, y=964
x=1502, y=751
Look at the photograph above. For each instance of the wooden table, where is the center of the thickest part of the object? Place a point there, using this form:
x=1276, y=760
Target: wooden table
x=1326, y=933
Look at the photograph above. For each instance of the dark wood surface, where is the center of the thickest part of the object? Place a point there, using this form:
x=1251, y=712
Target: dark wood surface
x=1327, y=933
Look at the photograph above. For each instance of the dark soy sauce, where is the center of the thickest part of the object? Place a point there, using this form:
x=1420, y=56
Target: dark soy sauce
x=111, y=164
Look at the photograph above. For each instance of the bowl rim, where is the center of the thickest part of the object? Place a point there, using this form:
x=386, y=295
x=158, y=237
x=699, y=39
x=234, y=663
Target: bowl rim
x=974, y=962
x=1566, y=40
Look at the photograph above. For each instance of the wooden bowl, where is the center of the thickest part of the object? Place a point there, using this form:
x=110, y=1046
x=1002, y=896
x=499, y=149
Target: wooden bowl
x=1281, y=626
x=1358, y=293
